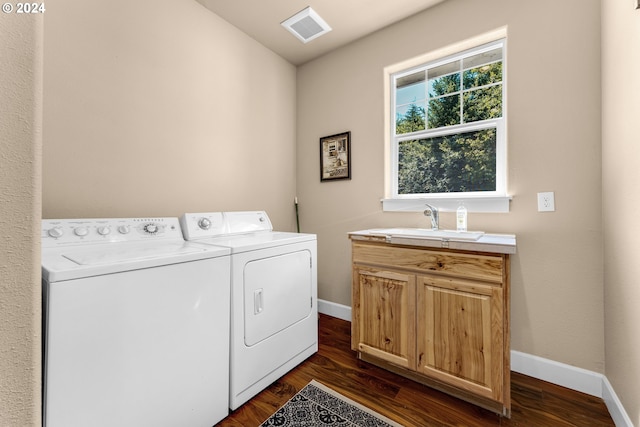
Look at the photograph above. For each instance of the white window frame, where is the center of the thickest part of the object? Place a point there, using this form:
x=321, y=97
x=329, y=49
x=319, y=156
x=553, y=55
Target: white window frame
x=485, y=201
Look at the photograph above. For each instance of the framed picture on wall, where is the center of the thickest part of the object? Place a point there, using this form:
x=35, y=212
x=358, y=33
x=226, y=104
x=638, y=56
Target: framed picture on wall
x=335, y=157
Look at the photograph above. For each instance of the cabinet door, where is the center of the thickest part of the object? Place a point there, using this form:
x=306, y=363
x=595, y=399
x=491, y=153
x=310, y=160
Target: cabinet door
x=384, y=315
x=460, y=334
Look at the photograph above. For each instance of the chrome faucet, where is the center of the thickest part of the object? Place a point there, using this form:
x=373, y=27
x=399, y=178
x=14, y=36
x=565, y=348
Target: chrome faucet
x=432, y=212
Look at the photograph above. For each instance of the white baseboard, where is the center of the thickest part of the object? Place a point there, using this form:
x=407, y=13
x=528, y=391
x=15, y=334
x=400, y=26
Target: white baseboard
x=617, y=411
x=334, y=310
x=561, y=374
x=578, y=379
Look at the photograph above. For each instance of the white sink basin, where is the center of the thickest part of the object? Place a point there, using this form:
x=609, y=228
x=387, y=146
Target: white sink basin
x=426, y=233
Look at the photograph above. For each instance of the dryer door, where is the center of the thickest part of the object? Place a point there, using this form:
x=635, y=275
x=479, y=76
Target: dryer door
x=277, y=294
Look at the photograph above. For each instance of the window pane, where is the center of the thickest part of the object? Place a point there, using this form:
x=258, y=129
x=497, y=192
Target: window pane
x=410, y=118
x=484, y=75
x=410, y=103
x=444, y=111
x=410, y=88
x=482, y=104
x=441, y=70
x=443, y=85
x=454, y=163
x=483, y=58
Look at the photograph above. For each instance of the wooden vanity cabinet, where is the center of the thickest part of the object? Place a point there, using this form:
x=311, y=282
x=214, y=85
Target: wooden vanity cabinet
x=437, y=316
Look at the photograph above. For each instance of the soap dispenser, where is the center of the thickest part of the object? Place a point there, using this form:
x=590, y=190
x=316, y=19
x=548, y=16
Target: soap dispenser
x=461, y=218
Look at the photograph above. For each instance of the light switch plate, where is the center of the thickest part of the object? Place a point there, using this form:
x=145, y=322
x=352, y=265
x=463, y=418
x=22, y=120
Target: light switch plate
x=546, y=202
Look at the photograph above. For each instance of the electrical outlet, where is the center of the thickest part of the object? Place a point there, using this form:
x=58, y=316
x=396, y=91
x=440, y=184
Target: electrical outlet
x=546, y=202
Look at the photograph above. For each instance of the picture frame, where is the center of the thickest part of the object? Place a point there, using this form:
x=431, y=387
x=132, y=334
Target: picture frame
x=335, y=157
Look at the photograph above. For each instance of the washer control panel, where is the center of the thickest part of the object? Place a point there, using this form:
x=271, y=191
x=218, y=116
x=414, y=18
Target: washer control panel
x=60, y=232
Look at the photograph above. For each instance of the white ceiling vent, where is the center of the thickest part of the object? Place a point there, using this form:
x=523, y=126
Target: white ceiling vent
x=306, y=25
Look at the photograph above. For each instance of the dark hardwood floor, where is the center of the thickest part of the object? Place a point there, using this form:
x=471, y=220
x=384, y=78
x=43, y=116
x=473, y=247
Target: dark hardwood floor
x=534, y=403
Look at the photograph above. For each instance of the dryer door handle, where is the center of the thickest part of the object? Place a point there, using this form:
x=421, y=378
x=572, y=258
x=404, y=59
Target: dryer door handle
x=258, y=301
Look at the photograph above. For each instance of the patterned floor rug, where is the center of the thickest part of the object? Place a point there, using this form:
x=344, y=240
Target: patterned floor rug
x=318, y=405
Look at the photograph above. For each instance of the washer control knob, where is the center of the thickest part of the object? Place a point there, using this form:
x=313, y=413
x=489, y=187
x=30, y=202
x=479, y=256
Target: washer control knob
x=151, y=228
x=81, y=231
x=104, y=230
x=124, y=229
x=55, y=232
x=204, y=223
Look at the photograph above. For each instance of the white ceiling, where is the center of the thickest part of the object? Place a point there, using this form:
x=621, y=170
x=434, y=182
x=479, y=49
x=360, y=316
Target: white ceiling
x=349, y=20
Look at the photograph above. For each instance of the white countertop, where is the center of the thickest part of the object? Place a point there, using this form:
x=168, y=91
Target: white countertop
x=494, y=243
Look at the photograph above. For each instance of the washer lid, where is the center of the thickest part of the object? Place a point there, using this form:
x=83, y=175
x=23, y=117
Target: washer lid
x=92, y=260
x=124, y=254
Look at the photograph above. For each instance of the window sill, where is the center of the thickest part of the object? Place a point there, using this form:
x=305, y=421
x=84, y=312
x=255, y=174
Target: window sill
x=493, y=204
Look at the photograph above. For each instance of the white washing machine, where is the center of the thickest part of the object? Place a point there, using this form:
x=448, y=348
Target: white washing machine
x=274, y=313
x=136, y=325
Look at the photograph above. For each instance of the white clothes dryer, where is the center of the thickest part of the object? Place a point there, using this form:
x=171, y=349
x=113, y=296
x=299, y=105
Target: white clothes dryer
x=274, y=313
x=136, y=325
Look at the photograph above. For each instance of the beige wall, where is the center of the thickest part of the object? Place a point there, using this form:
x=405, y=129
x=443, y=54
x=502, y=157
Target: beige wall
x=20, y=194
x=553, y=142
x=141, y=106
x=159, y=107
x=621, y=204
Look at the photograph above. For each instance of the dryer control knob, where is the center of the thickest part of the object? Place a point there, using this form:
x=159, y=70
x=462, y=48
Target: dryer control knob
x=124, y=229
x=81, y=231
x=55, y=232
x=104, y=230
x=204, y=223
